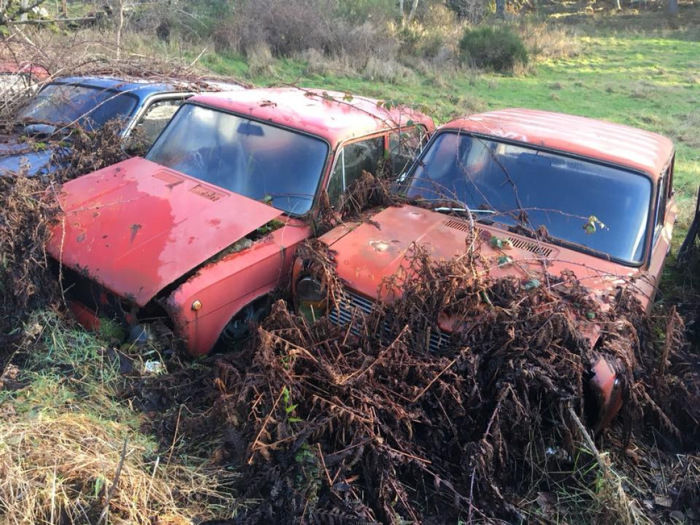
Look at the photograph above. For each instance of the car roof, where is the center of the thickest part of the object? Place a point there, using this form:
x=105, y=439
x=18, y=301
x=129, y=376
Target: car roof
x=595, y=139
x=27, y=68
x=146, y=87
x=332, y=115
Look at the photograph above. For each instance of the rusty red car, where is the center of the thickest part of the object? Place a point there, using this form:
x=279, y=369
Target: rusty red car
x=19, y=77
x=195, y=236
x=562, y=193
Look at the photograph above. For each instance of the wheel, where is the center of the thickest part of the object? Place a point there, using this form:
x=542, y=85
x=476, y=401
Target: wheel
x=239, y=327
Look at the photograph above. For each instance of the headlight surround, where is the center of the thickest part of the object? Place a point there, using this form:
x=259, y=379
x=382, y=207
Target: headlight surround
x=311, y=298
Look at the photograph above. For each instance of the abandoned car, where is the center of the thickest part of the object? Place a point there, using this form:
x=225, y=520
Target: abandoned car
x=19, y=77
x=543, y=193
x=196, y=235
x=43, y=125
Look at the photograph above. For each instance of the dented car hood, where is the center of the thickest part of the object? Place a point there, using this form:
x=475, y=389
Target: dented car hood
x=371, y=251
x=136, y=227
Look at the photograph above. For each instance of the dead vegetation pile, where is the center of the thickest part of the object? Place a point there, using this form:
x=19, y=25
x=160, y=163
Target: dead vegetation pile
x=91, y=150
x=26, y=208
x=363, y=424
x=366, y=193
x=28, y=205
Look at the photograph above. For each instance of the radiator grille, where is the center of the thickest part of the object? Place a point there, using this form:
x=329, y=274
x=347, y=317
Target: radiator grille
x=351, y=304
x=458, y=225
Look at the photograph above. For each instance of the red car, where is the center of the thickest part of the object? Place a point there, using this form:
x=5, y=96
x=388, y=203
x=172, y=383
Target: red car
x=17, y=78
x=196, y=235
x=544, y=191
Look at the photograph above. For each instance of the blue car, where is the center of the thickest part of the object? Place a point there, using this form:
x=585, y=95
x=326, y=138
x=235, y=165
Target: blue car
x=43, y=125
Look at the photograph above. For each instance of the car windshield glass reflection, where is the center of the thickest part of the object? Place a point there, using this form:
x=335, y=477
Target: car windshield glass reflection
x=89, y=107
x=600, y=207
x=251, y=158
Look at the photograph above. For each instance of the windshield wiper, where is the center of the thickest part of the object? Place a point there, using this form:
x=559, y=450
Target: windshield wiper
x=470, y=210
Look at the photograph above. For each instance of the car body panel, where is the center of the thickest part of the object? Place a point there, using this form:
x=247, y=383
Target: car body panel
x=231, y=283
x=135, y=227
x=20, y=78
x=35, y=72
x=15, y=157
x=377, y=249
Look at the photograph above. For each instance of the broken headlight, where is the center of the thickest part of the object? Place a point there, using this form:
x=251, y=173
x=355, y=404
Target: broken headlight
x=311, y=298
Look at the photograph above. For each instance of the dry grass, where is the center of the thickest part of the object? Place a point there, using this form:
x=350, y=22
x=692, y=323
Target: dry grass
x=319, y=64
x=545, y=41
x=260, y=61
x=688, y=131
x=388, y=70
x=70, y=468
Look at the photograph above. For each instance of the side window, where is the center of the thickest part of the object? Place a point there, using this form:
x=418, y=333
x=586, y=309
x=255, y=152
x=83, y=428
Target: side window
x=154, y=119
x=660, y=207
x=404, y=146
x=351, y=160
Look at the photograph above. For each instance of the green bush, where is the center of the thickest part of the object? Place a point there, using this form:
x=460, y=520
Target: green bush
x=492, y=48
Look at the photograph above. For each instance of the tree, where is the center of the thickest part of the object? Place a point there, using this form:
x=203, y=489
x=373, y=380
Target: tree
x=407, y=18
x=672, y=7
x=12, y=10
x=501, y=8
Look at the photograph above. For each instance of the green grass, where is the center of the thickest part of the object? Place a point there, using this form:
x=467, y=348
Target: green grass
x=68, y=369
x=650, y=81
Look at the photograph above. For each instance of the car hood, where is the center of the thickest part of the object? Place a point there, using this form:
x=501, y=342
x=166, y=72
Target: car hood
x=376, y=249
x=136, y=227
x=15, y=155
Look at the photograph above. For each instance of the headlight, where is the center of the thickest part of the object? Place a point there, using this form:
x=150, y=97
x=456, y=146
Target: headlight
x=311, y=298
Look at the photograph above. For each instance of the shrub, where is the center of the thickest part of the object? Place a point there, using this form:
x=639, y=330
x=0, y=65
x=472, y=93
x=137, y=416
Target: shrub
x=291, y=27
x=388, y=70
x=548, y=41
x=286, y=26
x=494, y=48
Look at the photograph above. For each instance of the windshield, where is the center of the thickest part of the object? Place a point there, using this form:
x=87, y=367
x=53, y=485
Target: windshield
x=89, y=107
x=599, y=207
x=257, y=160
